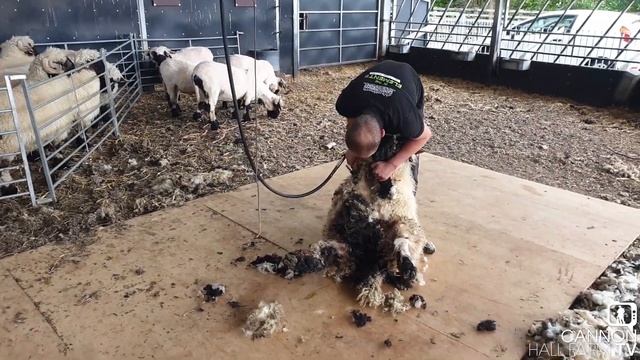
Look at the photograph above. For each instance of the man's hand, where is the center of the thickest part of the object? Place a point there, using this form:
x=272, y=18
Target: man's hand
x=352, y=159
x=383, y=170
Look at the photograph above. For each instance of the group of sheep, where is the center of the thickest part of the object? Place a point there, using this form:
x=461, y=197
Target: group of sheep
x=192, y=70
x=61, y=104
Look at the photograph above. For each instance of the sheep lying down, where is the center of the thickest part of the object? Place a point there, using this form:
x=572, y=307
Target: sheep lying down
x=373, y=235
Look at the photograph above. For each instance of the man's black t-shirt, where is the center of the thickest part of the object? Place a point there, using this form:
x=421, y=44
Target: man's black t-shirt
x=393, y=91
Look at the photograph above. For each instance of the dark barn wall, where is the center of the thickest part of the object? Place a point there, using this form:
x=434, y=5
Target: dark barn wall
x=85, y=20
x=201, y=18
x=68, y=20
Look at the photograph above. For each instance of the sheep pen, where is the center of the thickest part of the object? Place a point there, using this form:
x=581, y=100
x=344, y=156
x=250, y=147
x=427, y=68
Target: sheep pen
x=161, y=162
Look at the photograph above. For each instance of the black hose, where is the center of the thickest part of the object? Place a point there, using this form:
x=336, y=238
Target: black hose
x=241, y=129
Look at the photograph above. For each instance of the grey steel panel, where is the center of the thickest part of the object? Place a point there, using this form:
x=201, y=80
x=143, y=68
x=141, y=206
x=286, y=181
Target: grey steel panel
x=318, y=57
x=351, y=20
x=358, y=36
x=316, y=5
x=316, y=39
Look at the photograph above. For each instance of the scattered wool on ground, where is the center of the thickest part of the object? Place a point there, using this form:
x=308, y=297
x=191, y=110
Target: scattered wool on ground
x=264, y=321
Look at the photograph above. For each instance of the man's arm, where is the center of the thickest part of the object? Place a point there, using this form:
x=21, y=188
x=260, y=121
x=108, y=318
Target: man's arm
x=384, y=169
x=411, y=147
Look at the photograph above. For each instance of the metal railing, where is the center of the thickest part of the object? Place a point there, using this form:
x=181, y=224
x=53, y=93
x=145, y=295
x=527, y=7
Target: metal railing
x=570, y=36
x=15, y=179
x=61, y=121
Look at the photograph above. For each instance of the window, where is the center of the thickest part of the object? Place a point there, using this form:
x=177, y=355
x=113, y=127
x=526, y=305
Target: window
x=548, y=24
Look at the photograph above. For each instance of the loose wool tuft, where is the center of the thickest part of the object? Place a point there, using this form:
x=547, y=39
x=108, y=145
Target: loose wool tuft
x=264, y=321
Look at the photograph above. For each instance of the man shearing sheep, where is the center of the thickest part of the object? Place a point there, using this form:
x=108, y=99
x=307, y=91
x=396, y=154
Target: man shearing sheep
x=385, y=100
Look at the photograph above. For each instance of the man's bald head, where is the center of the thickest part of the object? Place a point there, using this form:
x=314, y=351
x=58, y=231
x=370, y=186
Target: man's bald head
x=364, y=134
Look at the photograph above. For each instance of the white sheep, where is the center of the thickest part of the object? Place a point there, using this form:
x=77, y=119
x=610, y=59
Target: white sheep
x=264, y=70
x=212, y=84
x=16, y=55
x=57, y=106
x=176, y=68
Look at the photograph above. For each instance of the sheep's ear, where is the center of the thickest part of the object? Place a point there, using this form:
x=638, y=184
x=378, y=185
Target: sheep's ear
x=52, y=67
x=168, y=53
x=68, y=65
x=281, y=82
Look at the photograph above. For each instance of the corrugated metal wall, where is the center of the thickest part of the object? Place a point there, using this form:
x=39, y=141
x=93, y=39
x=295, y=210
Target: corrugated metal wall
x=197, y=18
x=68, y=20
x=84, y=20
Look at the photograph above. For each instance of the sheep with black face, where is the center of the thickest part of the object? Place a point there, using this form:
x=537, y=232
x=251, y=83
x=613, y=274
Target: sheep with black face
x=176, y=69
x=212, y=84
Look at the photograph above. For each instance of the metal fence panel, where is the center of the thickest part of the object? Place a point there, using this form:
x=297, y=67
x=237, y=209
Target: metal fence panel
x=61, y=121
x=15, y=175
x=566, y=35
x=337, y=32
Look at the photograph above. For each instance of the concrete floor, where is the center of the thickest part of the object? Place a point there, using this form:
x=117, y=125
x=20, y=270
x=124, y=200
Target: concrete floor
x=508, y=249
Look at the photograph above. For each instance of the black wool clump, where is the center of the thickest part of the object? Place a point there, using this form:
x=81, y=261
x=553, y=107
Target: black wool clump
x=212, y=292
x=300, y=262
x=293, y=264
x=361, y=235
x=272, y=259
x=417, y=301
x=388, y=147
x=359, y=318
x=486, y=325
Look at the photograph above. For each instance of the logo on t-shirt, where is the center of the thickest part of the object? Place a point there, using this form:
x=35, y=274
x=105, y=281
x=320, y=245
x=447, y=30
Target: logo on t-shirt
x=381, y=84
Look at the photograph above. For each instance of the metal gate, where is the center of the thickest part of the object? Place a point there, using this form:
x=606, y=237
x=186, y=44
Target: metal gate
x=61, y=123
x=332, y=32
x=601, y=34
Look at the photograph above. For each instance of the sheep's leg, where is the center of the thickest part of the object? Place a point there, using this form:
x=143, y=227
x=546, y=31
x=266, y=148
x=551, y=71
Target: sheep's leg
x=247, y=113
x=211, y=110
x=167, y=95
x=172, y=99
x=5, y=177
x=241, y=106
x=408, y=250
x=197, y=115
x=105, y=116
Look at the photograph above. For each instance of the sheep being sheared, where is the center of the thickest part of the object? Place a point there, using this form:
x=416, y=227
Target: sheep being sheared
x=378, y=223
x=374, y=234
